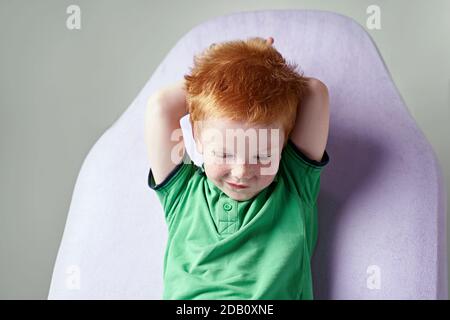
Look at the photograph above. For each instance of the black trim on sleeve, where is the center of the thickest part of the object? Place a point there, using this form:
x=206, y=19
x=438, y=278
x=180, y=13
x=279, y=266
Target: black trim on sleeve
x=151, y=180
x=323, y=162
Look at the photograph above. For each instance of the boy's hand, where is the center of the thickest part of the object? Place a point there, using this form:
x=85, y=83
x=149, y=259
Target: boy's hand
x=269, y=40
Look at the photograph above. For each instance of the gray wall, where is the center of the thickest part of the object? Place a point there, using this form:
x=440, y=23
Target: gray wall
x=61, y=89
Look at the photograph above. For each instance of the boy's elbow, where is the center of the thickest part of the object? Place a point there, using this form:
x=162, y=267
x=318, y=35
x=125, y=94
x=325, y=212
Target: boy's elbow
x=318, y=86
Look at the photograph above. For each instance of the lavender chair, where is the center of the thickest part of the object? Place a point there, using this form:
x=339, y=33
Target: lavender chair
x=382, y=205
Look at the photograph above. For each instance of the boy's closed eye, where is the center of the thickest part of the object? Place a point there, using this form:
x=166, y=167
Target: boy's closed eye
x=227, y=155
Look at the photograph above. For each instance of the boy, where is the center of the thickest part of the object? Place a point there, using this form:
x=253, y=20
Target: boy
x=238, y=227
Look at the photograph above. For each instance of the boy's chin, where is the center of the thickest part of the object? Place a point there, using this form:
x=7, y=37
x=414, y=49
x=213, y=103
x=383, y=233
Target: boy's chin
x=239, y=196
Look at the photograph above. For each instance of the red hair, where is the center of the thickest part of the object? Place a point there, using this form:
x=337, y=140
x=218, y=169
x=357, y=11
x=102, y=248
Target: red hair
x=246, y=81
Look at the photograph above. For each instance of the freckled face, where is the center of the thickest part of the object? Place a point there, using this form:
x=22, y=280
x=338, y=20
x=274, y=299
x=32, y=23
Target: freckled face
x=240, y=159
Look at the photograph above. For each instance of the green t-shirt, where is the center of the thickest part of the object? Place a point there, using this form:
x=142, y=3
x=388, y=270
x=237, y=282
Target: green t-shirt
x=261, y=248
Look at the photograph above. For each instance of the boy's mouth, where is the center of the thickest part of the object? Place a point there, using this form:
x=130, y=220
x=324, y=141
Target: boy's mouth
x=236, y=186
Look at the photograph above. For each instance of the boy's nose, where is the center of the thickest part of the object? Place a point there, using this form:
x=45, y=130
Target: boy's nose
x=242, y=171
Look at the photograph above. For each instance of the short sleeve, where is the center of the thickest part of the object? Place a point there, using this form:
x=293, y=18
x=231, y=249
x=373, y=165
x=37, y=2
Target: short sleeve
x=302, y=175
x=171, y=191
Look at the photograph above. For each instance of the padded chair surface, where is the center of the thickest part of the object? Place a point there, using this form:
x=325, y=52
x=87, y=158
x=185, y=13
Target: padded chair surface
x=382, y=204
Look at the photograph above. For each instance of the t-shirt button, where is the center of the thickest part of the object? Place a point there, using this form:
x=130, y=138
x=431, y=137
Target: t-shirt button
x=227, y=206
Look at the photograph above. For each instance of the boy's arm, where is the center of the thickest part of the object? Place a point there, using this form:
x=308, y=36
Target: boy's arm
x=310, y=133
x=163, y=134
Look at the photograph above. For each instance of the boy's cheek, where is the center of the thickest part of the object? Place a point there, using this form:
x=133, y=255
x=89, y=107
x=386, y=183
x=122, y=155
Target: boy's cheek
x=213, y=161
x=265, y=180
x=216, y=170
x=270, y=169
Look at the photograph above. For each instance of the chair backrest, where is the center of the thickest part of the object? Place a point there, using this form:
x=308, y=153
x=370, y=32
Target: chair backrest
x=382, y=205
